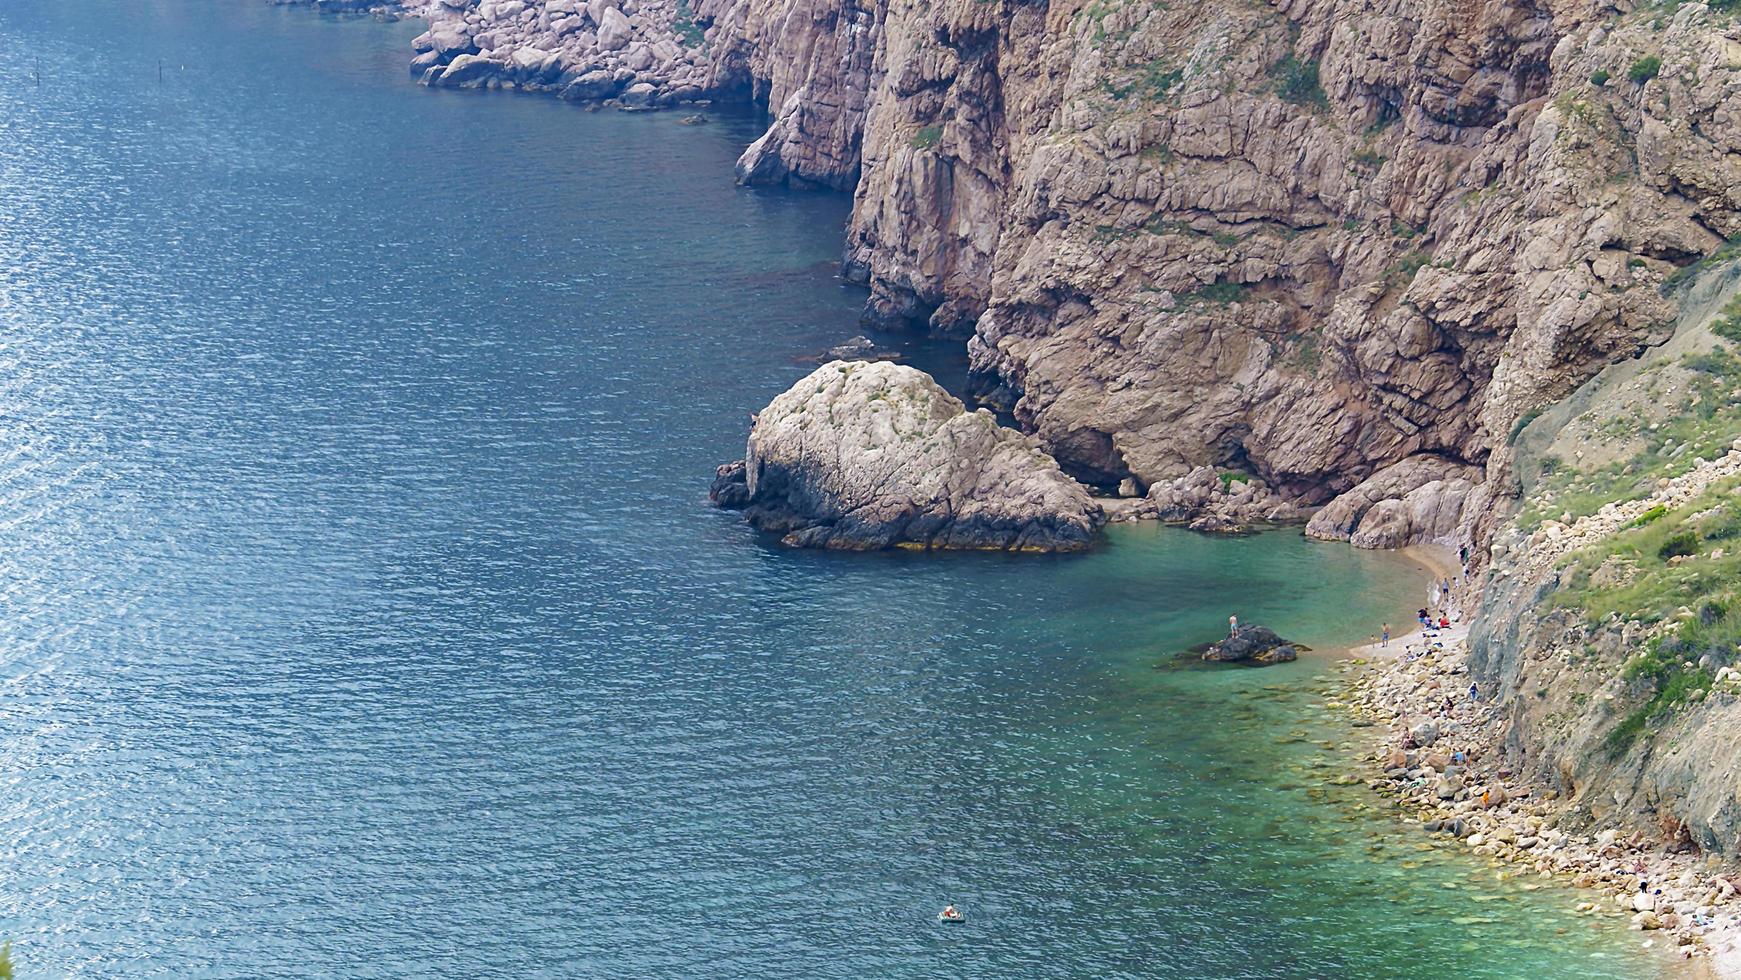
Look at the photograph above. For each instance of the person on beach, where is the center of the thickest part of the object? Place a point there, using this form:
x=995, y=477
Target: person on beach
x=1444, y=621
x=1422, y=616
x=1474, y=693
x=1385, y=635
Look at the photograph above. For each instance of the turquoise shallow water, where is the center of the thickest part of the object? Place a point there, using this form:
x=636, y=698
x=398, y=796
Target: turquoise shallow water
x=360, y=613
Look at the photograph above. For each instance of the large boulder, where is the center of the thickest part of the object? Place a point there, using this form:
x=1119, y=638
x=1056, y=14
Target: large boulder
x=866, y=455
x=641, y=95
x=592, y=86
x=1418, y=500
x=614, y=30
x=1253, y=644
x=467, y=71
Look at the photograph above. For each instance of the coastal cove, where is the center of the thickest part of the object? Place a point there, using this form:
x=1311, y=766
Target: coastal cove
x=363, y=614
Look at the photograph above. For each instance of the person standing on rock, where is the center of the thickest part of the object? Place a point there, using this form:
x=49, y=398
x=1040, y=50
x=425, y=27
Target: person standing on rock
x=1233, y=626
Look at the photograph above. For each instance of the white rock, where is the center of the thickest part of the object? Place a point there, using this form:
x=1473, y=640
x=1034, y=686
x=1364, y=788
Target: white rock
x=613, y=30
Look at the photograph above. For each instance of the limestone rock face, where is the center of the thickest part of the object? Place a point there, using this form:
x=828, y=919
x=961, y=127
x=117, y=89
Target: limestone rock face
x=865, y=455
x=1305, y=242
x=1418, y=500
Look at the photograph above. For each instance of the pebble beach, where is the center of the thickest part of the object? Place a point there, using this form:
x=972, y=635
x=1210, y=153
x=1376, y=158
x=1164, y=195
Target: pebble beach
x=1436, y=755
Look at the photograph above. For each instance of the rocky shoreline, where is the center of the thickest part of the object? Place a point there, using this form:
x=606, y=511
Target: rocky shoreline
x=1438, y=758
x=1349, y=304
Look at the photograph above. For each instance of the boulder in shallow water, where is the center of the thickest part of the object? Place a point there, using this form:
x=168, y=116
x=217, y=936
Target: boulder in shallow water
x=866, y=455
x=730, y=489
x=1254, y=644
x=591, y=86
x=640, y=95
x=468, y=71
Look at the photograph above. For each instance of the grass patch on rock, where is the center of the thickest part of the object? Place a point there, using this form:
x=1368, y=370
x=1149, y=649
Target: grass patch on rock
x=685, y=27
x=1673, y=569
x=1296, y=82
x=1678, y=563
x=1218, y=293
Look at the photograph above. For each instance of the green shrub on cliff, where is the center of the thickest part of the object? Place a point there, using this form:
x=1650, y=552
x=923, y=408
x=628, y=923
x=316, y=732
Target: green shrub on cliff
x=1649, y=516
x=1522, y=423
x=1218, y=293
x=1722, y=253
x=927, y=138
x=1645, y=68
x=1678, y=545
x=1718, y=363
x=1297, y=83
x=1663, y=672
x=1402, y=271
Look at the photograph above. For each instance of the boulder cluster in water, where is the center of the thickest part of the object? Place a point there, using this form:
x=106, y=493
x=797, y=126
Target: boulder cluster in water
x=865, y=455
x=640, y=54
x=1252, y=644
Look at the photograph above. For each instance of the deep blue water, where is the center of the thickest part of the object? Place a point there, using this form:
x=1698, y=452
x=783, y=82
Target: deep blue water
x=361, y=613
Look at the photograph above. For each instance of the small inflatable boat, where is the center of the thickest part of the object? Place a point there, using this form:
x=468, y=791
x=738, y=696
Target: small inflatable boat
x=951, y=916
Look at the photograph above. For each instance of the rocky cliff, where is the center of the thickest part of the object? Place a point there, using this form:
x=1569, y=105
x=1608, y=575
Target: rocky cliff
x=1336, y=246
x=1612, y=614
x=1248, y=260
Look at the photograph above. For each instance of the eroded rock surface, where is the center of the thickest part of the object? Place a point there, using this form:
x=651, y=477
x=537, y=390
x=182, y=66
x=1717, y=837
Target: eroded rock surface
x=1304, y=242
x=1418, y=500
x=865, y=455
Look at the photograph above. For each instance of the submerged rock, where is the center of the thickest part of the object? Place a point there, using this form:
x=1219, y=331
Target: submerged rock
x=859, y=348
x=867, y=455
x=1254, y=644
